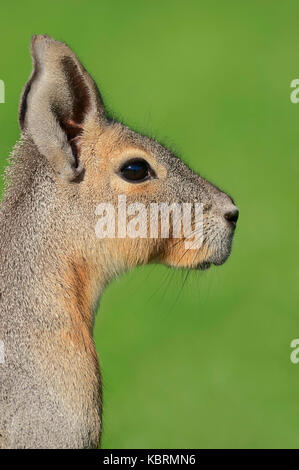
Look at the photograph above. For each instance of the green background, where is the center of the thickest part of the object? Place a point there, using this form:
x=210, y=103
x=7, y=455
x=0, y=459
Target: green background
x=209, y=365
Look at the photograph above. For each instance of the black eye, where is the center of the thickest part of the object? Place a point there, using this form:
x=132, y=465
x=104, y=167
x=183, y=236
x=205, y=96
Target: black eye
x=136, y=170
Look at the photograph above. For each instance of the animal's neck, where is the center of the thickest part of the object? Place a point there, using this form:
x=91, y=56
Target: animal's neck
x=49, y=288
x=45, y=267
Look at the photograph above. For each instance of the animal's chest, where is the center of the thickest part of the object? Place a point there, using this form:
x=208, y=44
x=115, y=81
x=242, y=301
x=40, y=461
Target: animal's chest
x=47, y=403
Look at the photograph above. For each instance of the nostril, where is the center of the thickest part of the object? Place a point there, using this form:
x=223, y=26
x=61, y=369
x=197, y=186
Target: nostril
x=232, y=216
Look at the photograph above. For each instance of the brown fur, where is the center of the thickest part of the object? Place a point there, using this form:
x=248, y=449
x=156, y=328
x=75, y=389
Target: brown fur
x=78, y=284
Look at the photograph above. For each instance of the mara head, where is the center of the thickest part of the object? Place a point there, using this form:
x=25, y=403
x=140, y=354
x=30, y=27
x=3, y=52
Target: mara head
x=114, y=188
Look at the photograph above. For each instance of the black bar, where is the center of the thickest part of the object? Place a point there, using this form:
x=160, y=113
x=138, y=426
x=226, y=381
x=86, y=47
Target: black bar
x=135, y=458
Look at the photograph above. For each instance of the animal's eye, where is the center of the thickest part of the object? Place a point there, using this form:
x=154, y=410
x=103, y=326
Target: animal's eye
x=136, y=170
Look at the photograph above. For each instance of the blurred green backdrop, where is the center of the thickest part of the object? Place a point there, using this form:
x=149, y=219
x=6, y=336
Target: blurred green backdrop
x=208, y=366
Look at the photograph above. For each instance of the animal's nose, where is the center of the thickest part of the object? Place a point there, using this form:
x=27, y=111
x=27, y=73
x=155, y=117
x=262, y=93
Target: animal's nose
x=232, y=216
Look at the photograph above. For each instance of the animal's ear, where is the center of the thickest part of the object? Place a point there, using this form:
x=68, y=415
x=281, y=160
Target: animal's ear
x=57, y=101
